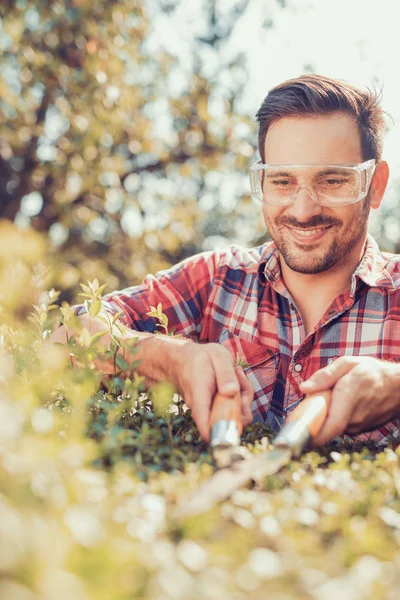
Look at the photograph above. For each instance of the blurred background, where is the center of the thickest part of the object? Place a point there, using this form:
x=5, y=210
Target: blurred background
x=127, y=127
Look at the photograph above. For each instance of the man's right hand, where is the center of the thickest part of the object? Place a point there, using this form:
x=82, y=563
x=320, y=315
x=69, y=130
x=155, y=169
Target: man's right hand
x=199, y=371
x=202, y=370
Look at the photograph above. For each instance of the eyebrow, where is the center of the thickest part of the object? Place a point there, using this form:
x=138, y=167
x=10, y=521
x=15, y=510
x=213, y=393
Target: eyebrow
x=279, y=174
x=329, y=171
x=334, y=171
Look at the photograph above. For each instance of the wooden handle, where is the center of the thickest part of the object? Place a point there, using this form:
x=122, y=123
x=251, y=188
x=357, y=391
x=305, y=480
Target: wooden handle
x=312, y=411
x=226, y=408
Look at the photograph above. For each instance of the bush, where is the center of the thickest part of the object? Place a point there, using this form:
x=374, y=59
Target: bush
x=93, y=468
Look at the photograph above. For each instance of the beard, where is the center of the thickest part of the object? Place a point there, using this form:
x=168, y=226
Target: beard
x=304, y=258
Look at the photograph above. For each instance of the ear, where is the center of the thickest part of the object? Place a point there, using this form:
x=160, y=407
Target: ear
x=379, y=183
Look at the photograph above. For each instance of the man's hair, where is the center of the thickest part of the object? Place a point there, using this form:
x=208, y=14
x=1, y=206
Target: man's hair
x=317, y=95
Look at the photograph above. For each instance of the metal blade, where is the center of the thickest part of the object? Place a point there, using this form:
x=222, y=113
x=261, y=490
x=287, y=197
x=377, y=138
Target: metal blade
x=225, y=481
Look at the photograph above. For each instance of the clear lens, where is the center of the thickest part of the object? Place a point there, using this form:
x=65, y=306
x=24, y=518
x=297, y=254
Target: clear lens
x=328, y=185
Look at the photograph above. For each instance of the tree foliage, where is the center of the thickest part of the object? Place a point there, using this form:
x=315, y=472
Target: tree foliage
x=128, y=161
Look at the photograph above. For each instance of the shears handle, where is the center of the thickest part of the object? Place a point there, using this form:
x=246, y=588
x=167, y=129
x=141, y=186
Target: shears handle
x=226, y=408
x=305, y=422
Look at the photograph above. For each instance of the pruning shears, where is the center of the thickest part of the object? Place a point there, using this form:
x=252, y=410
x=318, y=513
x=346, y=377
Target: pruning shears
x=232, y=473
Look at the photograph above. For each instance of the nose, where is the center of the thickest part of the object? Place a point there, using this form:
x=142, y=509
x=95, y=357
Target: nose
x=304, y=206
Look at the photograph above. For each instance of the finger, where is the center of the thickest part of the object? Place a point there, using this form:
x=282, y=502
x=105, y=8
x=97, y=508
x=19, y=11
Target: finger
x=200, y=402
x=246, y=396
x=341, y=407
x=224, y=369
x=326, y=378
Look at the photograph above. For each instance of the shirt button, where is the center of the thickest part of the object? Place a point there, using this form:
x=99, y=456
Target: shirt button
x=330, y=313
x=298, y=367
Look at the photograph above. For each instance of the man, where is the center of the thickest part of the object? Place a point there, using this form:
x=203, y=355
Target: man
x=317, y=308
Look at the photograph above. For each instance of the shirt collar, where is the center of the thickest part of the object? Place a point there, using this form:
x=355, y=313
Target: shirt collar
x=371, y=269
x=269, y=268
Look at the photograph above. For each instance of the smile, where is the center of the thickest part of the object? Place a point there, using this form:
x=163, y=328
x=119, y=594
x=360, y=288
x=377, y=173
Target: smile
x=308, y=235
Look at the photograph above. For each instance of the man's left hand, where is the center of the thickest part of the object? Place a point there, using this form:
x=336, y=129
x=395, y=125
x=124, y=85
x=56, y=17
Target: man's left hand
x=366, y=394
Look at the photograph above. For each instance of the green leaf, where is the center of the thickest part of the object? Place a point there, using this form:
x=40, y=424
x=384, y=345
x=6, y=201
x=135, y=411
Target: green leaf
x=52, y=307
x=95, y=308
x=135, y=364
x=241, y=362
x=103, y=319
x=152, y=313
x=86, y=290
x=121, y=362
x=131, y=346
x=117, y=316
x=116, y=341
x=67, y=313
x=96, y=337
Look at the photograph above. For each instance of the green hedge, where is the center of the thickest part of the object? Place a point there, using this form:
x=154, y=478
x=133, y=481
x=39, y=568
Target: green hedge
x=92, y=469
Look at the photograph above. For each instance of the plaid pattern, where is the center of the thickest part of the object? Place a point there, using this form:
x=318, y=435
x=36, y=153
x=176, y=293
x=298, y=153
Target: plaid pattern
x=237, y=297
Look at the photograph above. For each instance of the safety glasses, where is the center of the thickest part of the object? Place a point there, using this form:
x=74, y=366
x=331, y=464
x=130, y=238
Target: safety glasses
x=328, y=185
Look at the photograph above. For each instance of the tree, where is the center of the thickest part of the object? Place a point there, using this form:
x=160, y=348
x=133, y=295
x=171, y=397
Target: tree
x=127, y=171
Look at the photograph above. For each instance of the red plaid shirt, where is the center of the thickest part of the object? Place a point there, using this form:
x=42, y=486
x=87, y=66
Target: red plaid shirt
x=237, y=297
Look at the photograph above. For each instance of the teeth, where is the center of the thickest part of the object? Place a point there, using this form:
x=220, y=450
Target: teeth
x=307, y=232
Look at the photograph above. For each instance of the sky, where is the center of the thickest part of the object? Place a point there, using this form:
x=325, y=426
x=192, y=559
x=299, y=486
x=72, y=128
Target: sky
x=354, y=40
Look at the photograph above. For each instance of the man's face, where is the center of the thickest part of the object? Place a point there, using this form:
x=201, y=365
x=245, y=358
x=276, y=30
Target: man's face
x=312, y=238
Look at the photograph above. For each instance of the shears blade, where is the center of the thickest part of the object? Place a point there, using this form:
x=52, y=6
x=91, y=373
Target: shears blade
x=225, y=481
